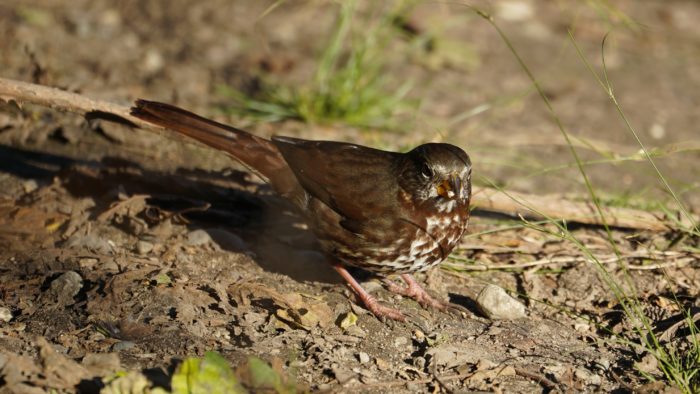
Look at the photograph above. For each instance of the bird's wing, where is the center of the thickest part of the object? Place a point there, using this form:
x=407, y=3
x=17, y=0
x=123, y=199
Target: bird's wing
x=356, y=182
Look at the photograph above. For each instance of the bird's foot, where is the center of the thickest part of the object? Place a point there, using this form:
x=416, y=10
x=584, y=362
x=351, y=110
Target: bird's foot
x=371, y=303
x=381, y=311
x=414, y=290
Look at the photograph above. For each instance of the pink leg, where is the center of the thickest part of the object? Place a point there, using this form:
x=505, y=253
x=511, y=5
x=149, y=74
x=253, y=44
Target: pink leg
x=370, y=302
x=415, y=291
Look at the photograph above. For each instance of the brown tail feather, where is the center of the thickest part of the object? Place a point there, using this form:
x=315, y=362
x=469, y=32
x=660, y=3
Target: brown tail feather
x=256, y=153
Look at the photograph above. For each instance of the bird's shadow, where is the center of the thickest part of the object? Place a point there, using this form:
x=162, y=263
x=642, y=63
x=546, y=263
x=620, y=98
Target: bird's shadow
x=221, y=203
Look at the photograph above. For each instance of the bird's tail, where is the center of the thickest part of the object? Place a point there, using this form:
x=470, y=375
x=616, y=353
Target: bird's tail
x=257, y=153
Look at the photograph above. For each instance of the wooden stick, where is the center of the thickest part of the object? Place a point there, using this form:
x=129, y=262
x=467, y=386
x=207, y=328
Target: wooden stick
x=487, y=199
x=514, y=203
x=668, y=259
x=23, y=92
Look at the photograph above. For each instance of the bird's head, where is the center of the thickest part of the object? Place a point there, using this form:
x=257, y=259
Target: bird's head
x=437, y=172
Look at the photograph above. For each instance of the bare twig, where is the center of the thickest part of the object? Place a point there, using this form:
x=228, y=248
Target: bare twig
x=493, y=200
x=670, y=258
x=23, y=92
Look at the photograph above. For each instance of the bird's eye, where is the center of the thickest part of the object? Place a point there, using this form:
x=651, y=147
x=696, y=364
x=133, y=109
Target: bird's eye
x=426, y=171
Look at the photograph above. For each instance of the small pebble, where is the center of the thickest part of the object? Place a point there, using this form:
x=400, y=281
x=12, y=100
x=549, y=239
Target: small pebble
x=603, y=364
x=198, y=238
x=30, y=185
x=587, y=376
x=123, y=345
x=66, y=287
x=144, y=247
x=495, y=303
x=5, y=314
x=400, y=341
x=363, y=357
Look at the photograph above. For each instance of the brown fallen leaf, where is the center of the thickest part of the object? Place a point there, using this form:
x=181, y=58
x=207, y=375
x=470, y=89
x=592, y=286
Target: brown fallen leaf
x=295, y=309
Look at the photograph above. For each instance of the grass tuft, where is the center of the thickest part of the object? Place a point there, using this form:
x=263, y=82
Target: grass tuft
x=349, y=85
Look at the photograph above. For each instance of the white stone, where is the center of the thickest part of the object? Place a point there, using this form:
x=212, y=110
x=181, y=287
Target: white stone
x=496, y=304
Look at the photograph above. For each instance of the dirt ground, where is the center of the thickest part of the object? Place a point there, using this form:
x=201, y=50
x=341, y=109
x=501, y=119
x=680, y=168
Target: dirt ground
x=130, y=251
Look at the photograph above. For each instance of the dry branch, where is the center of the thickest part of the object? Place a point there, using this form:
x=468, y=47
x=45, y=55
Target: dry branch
x=487, y=199
x=666, y=259
x=515, y=204
x=23, y=92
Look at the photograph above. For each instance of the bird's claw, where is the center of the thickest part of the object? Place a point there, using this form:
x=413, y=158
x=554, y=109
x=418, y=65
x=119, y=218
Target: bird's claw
x=414, y=290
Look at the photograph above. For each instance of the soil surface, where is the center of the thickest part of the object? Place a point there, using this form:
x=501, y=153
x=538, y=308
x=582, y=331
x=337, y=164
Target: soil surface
x=122, y=249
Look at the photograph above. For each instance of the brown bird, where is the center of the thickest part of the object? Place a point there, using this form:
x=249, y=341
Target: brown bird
x=384, y=212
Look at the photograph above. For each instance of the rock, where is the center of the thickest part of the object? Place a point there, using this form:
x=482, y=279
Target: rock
x=495, y=303
x=123, y=345
x=64, y=288
x=603, y=364
x=587, y=376
x=363, y=357
x=5, y=314
x=144, y=247
x=198, y=238
x=30, y=185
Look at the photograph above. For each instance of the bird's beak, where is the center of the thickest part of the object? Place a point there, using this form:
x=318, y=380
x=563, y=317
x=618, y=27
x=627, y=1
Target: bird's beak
x=450, y=187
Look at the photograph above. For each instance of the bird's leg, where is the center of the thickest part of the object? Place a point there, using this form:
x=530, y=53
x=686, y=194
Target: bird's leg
x=370, y=302
x=415, y=290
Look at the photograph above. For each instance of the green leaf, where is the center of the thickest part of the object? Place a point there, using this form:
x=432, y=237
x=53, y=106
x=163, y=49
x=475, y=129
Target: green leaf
x=262, y=375
x=212, y=374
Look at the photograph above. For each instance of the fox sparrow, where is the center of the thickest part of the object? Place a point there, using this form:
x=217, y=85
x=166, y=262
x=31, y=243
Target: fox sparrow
x=384, y=212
